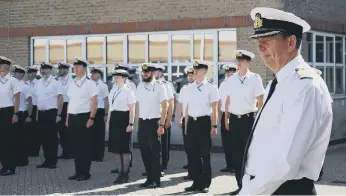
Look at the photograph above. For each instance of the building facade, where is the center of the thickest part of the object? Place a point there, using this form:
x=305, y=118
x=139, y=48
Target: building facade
x=172, y=33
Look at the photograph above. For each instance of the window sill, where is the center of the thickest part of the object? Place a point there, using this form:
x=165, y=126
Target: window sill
x=338, y=96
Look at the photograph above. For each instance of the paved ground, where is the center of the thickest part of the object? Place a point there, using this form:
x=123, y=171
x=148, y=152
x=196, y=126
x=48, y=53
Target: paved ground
x=29, y=180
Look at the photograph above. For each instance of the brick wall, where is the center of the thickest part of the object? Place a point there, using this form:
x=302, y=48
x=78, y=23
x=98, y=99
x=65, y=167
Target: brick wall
x=16, y=48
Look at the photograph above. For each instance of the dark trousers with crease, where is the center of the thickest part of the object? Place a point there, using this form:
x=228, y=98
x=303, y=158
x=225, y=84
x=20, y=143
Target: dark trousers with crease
x=302, y=186
x=226, y=138
x=82, y=142
x=98, y=134
x=64, y=134
x=199, y=145
x=23, y=134
x=165, y=147
x=49, y=135
x=240, y=128
x=150, y=146
x=34, y=134
x=186, y=147
x=7, y=139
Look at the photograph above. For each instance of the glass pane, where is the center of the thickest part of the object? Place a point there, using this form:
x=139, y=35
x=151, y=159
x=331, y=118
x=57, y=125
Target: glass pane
x=136, y=48
x=197, y=41
x=181, y=51
x=39, y=51
x=307, y=47
x=330, y=50
x=319, y=49
x=56, y=51
x=115, y=50
x=74, y=49
x=95, y=50
x=338, y=50
x=208, y=51
x=158, y=48
x=227, y=45
x=339, y=77
x=178, y=77
x=330, y=78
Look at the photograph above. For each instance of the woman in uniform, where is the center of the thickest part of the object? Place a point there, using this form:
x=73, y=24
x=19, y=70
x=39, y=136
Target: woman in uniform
x=120, y=123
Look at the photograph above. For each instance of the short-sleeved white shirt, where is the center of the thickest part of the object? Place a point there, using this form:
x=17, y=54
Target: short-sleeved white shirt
x=102, y=93
x=31, y=85
x=9, y=86
x=120, y=98
x=24, y=95
x=46, y=92
x=65, y=82
x=182, y=98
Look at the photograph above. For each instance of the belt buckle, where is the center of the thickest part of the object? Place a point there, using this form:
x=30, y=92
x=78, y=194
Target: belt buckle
x=194, y=118
x=239, y=116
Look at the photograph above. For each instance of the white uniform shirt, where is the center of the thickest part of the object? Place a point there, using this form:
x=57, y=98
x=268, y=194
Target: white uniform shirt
x=102, y=93
x=25, y=93
x=199, y=98
x=182, y=98
x=243, y=92
x=129, y=83
x=80, y=92
x=223, y=94
x=169, y=88
x=292, y=135
x=9, y=86
x=120, y=98
x=65, y=82
x=149, y=96
x=31, y=85
x=46, y=92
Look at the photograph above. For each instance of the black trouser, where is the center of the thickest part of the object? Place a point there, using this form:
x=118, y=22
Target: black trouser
x=23, y=134
x=8, y=148
x=98, y=134
x=186, y=147
x=165, y=147
x=303, y=186
x=199, y=145
x=49, y=135
x=35, y=142
x=65, y=136
x=240, y=126
x=149, y=144
x=226, y=137
x=82, y=140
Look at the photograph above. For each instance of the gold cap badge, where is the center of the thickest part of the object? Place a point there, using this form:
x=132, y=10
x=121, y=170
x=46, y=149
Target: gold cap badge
x=144, y=67
x=258, y=23
x=239, y=54
x=195, y=64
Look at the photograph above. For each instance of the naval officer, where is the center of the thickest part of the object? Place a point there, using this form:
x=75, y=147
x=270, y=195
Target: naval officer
x=125, y=67
x=100, y=117
x=9, y=107
x=24, y=117
x=287, y=145
x=226, y=136
x=64, y=81
x=244, y=96
x=151, y=114
x=200, y=125
x=49, y=105
x=81, y=111
x=181, y=107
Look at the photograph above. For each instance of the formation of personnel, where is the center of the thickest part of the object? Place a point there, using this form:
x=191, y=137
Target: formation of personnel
x=274, y=139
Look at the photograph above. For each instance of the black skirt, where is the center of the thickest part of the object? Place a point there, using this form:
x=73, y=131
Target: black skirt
x=119, y=140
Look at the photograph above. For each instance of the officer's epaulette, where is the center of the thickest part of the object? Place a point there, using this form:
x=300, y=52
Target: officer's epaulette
x=164, y=81
x=306, y=73
x=159, y=82
x=87, y=78
x=210, y=81
x=57, y=79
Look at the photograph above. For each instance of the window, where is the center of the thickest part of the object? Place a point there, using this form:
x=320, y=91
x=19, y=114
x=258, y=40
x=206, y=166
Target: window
x=208, y=49
x=136, y=48
x=339, y=80
x=307, y=47
x=330, y=49
x=319, y=49
x=181, y=50
x=115, y=49
x=227, y=45
x=56, y=51
x=338, y=50
x=74, y=49
x=197, y=42
x=158, y=48
x=178, y=76
x=39, y=51
x=95, y=49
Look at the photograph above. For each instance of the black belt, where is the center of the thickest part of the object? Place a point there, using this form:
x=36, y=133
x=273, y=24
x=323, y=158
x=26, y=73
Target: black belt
x=243, y=115
x=80, y=114
x=149, y=118
x=198, y=118
x=47, y=110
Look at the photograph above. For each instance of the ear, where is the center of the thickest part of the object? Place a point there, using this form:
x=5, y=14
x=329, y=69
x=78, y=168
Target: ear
x=292, y=41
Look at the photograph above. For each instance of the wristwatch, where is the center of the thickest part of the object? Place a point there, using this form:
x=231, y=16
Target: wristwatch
x=16, y=113
x=214, y=126
x=131, y=124
x=161, y=125
x=91, y=118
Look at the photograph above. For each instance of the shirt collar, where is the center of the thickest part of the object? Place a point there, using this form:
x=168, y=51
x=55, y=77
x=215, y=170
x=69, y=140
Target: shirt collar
x=246, y=75
x=8, y=76
x=48, y=78
x=151, y=82
x=203, y=82
x=81, y=78
x=288, y=68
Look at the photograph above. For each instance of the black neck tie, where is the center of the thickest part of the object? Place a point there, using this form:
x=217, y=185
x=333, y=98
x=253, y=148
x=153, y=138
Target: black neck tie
x=271, y=91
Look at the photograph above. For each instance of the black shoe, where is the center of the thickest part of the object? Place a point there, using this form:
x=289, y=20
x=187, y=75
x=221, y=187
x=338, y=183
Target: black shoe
x=125, y=178
x=235, y=192
x=204, y=190
x=34, y=155
x=65, y=156
x=43, y=165
x=162, y=174
x=185, y=166
x=98, y=160
x=83, y=177
x=154, y=185
x=118, y=180
x=226, y=169
x=22, y=164
x=190, y=188
x=2, y=170
x=144, y=174
x=188, y=177
x=163, y=167
x=114, y=171
x=74, y=177
x=145, y=184
x=7, y=173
